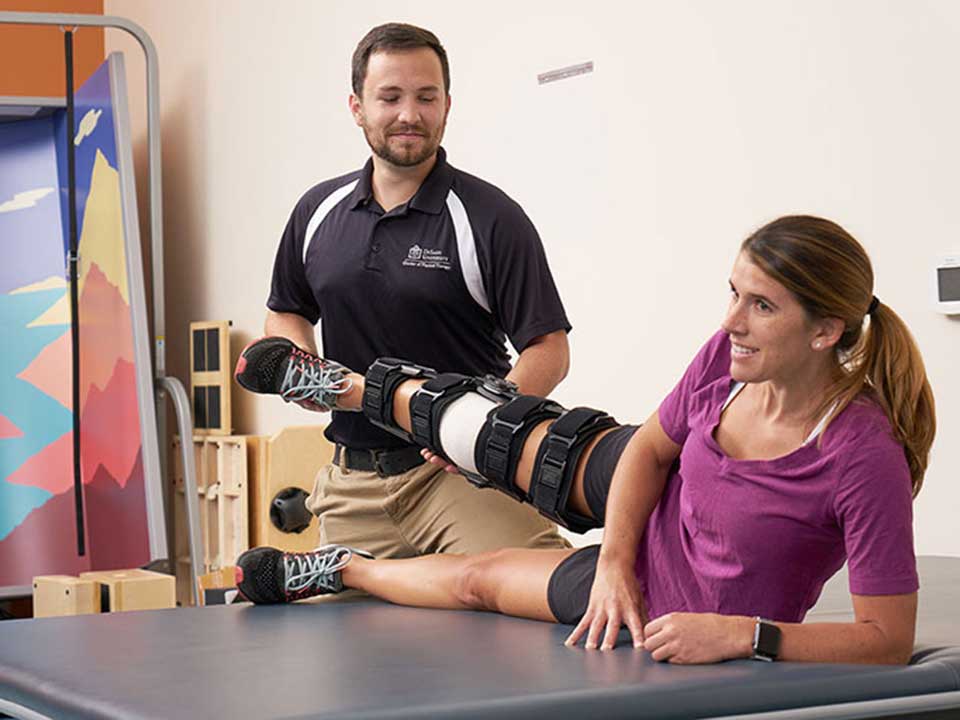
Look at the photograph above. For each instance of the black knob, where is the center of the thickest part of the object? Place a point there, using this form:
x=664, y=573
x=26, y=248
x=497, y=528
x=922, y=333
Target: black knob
x=288, y=511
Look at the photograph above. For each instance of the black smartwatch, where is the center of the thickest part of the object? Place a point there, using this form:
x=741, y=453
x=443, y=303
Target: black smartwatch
x=766, y=640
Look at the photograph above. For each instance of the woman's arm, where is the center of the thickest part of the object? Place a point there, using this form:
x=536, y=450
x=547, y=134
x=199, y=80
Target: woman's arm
x=882, y=633
x=635, y=489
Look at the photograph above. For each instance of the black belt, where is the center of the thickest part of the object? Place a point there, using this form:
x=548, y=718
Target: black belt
x=384, y=462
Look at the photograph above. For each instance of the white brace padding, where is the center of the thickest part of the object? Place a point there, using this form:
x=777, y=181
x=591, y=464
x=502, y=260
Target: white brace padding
x=460, y=427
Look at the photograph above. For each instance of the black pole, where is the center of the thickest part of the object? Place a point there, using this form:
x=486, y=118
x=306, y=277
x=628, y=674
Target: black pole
x=73, y=277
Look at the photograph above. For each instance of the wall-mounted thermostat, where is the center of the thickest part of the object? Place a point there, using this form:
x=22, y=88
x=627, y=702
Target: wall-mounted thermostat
x=947, y=284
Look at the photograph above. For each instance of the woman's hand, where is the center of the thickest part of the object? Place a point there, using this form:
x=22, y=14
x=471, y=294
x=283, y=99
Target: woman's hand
x=687, y=638
x=439, y=460
x=615, y=600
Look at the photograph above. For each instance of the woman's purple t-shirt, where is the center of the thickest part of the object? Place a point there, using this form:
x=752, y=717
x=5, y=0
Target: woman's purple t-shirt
x=760, y=537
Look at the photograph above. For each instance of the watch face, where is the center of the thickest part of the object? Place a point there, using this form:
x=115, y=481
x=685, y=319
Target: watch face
x=766, y=639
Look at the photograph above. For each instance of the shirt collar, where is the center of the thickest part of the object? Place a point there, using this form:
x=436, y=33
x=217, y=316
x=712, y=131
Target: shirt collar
x=430, y=198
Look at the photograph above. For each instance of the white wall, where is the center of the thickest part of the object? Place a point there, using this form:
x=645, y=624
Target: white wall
x=702, y=121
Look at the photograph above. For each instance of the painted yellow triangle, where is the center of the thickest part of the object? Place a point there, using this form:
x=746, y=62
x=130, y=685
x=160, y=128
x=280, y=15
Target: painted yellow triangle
x=51, y=283
x=56, y=314
x=101, y=241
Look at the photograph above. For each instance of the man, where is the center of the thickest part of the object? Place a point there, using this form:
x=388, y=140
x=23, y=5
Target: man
x=412, y=258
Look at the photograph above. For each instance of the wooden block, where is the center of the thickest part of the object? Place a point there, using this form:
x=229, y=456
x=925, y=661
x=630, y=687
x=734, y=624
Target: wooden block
x=122, y=590
x=291, y=458
x=222, y=496
x=217, y=588
x=57, y=595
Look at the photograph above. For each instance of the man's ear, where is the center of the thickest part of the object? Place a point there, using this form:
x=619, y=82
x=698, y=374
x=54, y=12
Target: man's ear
x=356, y=108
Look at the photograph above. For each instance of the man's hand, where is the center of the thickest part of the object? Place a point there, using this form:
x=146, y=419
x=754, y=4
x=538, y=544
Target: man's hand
x=435, y=459
x=312, y=406
x=687, y=638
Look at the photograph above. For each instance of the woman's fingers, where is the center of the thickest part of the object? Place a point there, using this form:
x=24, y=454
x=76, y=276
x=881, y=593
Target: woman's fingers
x=612, y=630
x=634, y=623
x=574, y=637
x=596, y=629
x=664, y=652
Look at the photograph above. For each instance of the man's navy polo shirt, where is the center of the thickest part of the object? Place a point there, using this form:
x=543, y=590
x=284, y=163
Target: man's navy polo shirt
x=440, y=281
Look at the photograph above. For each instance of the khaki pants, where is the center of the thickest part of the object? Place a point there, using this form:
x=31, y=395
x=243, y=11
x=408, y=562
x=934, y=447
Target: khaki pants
x=422, y=511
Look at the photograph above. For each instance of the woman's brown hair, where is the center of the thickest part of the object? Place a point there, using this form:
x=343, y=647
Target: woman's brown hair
x=830, y=274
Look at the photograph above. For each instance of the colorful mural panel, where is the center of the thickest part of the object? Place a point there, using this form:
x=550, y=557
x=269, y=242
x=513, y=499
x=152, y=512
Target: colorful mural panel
x=37, y=524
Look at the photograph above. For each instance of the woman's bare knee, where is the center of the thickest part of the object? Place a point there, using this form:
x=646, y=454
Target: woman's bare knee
x=476, y=584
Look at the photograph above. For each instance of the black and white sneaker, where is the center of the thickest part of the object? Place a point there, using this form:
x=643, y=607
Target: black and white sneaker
x=275, y=366
x=266, y=575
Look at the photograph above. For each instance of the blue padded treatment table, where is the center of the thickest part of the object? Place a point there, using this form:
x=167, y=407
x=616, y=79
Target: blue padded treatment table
x=368, y=659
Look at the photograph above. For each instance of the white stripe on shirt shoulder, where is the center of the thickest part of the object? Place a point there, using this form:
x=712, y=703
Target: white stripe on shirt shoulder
x=467, y=247
x=323, y=209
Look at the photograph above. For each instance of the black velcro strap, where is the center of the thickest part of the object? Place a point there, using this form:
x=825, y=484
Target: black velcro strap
x=381, y=381
x=501, y=440
x=427, y=405
x=556, y=464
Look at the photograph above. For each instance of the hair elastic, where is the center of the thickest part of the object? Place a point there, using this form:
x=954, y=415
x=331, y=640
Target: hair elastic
x=873, y=305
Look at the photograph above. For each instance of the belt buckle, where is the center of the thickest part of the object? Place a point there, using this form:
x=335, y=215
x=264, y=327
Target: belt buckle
x=377, y=466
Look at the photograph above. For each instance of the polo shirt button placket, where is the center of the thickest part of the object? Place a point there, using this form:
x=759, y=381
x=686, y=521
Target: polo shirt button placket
x=374, y=245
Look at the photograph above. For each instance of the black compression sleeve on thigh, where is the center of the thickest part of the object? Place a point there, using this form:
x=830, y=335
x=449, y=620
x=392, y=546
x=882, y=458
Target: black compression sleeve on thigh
x=568, y=590
x=556, y=465
x=601, y=466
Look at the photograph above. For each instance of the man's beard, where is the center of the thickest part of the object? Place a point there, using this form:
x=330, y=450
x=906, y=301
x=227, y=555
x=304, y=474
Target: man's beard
x=410, y=157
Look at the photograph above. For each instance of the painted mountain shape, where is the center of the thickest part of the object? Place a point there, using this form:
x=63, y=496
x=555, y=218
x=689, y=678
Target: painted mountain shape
x=110, y=425
x=101, y=237
x=8, y=430
x=49, y=371
x=51, y=283
x=116, y=529
x=51, y=469
x=106, y=334
x=45, y=543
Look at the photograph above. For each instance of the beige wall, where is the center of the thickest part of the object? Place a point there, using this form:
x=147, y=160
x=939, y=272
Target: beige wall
x=703, y=120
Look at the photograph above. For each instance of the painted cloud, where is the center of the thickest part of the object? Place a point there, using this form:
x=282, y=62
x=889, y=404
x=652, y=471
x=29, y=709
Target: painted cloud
x=24, y=200
x=87, y=125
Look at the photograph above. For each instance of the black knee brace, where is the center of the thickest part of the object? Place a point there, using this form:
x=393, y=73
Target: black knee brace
x=556, y=463
x=501, y=440
x=427, y=405
x=381, y=381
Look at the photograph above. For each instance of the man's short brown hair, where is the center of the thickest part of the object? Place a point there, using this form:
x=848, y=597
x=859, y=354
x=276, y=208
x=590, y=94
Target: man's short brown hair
x=395, y=36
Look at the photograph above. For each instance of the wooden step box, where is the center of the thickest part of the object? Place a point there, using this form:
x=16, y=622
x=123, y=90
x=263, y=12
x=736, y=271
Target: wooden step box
x=237, y=479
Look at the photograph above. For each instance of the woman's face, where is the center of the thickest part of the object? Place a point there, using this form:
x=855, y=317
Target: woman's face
x=772, y=337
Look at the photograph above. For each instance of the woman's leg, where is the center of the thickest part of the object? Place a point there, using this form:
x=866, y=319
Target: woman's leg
x=512, y=581
x=577, y=501
x=275, y=365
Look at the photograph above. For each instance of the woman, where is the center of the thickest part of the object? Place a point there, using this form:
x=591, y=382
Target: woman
x=802, y=430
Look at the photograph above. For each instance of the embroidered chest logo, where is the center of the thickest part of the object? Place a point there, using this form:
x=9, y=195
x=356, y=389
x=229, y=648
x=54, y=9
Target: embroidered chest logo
x=419, y=257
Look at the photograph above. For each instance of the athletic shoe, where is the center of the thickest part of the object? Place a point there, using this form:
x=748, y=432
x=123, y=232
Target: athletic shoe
x=266, y=575
x=275, y=366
